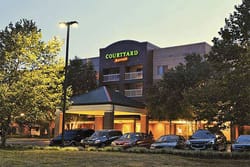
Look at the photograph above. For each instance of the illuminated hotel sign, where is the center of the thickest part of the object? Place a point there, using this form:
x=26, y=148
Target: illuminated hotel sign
x=121, y=56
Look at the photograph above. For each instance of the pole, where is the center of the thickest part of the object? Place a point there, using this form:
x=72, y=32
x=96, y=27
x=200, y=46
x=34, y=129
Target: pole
x=68, y=24
x=65, y=83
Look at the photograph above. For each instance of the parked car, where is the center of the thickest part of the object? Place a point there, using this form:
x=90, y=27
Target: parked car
x=133, y=139
x=207, y=139
x=242, y=143
x=102, y=138
x=71, y=137
x=169, y=141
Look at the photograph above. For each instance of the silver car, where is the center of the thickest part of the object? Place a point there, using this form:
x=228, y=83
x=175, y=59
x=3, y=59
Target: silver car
x=169, y=141
x=242, y=143
x=206, y=139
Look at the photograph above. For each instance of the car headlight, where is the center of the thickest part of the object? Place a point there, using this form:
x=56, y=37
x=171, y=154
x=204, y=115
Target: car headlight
x=188, y=142
x=152, y=147
x=98, y=141
x=212, y=141
x=67, y=141
x=128, y=143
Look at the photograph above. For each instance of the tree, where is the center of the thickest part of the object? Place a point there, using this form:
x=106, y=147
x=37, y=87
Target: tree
x=38, y=93
x=82, y=77
x=239, y=89
x=165, y=99
x=226, y=52
x=29, y=74
x=207, y=102
x=230, y=59
x=224, y=96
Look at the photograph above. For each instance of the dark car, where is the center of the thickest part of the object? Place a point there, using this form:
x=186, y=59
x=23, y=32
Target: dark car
x=207, y=139
x=71, y=137
x=242, y=143
x=169, y=141
x=102, y=138
x=134, y=139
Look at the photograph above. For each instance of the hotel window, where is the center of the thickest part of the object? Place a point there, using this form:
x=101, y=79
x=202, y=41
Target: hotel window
x=162, y=69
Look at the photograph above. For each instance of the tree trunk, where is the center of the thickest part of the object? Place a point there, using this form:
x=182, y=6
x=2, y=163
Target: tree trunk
x=170, y=126
x=3, y=138
x=232, y=131
x=5, y=130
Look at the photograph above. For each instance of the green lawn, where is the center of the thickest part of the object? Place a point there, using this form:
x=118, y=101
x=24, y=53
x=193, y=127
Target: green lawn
x=40, y=158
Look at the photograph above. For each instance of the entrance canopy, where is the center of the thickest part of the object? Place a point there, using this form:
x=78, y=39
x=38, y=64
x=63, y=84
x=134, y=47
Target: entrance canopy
x=103, y=99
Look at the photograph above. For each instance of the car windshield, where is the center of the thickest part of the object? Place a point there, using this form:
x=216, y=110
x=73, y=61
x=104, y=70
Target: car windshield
x=203, y=134
x=132, y=136
x=243, y=139
x=67, y=134
x=168, y=139
x=99, y=134
x=70, y=133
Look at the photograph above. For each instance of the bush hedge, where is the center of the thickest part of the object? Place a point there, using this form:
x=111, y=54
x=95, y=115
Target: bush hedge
x=209, y=154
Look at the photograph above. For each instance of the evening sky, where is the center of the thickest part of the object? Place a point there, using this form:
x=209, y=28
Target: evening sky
x=164, y=23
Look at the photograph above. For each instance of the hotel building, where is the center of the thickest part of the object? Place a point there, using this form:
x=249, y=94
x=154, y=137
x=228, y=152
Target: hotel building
x=130, y=67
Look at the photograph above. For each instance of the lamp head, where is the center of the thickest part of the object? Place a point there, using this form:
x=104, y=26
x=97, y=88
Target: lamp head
x=69, y=23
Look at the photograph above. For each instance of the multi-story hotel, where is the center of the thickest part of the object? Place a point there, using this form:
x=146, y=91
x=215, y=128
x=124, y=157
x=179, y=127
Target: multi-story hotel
x=130, y=67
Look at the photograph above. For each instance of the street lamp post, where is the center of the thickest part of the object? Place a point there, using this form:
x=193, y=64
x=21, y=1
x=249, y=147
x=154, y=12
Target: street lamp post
x=67, y=24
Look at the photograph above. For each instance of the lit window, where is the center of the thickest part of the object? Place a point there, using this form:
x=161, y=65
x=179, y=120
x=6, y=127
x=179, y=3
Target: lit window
x=162, y=69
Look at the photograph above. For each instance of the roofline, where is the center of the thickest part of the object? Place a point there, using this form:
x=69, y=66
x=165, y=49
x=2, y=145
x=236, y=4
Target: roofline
x=185, y=45
x=83, y=104
x=107, y=94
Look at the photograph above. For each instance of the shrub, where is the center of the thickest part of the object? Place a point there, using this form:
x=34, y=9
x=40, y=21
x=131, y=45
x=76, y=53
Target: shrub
x=114, y=149
x=108, y=148
x=117, y=149
x=208, y=154
x=91, y=149
x=51, y=148
x=138, y=150
x=69, y=149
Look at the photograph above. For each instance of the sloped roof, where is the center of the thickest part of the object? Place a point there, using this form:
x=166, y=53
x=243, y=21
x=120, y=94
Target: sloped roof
x=105, y=95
